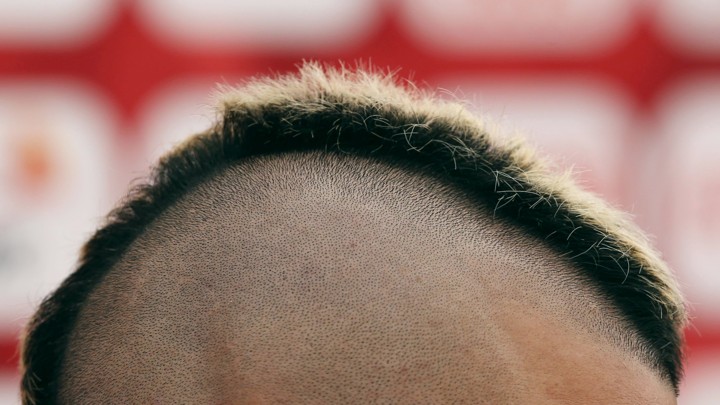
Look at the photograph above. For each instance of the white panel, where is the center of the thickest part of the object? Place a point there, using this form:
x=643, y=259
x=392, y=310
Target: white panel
x=691, y=170
x=54, y=156
x=519, y=26
x=577, y=122
x=701, y=379
x=275, y=24
x=691, y=24
x=173, y=114
x=56, y=22
x=9, y=389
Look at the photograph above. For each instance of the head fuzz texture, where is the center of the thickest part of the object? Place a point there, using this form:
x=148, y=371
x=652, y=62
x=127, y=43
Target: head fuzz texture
x=368, y=114
x=318, y=90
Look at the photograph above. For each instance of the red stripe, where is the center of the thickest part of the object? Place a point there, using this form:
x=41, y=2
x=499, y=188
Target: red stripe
x=9, y=352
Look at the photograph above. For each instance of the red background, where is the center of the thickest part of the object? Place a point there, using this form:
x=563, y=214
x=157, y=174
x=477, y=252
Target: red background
x=657, y=85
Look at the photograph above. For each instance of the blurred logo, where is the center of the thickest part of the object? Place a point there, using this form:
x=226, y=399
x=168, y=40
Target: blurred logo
x=54, y=156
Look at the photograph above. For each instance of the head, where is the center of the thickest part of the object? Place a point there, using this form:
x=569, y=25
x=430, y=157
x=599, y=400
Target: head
x=338, y=238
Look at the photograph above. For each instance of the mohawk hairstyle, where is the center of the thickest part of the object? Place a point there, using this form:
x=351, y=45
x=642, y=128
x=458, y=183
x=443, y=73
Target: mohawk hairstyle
x=368, y=114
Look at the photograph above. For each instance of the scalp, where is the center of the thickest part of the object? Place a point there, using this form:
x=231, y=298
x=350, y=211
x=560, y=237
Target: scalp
x=317, y=277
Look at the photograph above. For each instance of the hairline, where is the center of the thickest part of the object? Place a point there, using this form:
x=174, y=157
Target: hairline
x=252, y=180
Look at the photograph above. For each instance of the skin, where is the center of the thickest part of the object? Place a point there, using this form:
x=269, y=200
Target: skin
x=369, y=284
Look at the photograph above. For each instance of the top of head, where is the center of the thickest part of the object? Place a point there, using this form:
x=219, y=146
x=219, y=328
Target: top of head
x=357, y=239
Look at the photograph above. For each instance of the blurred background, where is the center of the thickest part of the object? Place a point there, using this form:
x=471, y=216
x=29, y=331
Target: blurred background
x=625, y=91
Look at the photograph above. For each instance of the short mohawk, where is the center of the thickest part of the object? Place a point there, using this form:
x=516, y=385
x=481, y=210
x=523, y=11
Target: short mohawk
x=367, y=114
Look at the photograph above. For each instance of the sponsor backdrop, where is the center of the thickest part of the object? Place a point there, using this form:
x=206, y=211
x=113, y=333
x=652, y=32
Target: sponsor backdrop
x=625, y=91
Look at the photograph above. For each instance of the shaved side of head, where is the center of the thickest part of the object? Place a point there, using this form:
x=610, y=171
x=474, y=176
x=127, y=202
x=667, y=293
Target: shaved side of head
x=336, y=238
x=321, y=278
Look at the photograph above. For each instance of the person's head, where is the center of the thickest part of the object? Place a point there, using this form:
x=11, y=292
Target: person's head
x=337, y=238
